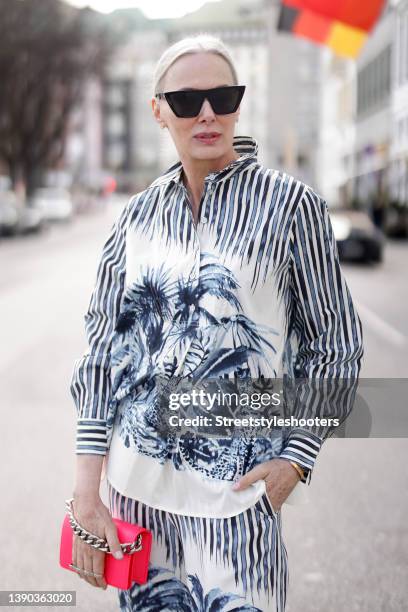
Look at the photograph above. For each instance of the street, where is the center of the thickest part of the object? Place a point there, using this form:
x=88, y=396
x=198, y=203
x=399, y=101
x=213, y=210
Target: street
x=347, y=546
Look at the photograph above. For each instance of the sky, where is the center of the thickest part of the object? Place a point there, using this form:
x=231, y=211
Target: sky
x=151, y=8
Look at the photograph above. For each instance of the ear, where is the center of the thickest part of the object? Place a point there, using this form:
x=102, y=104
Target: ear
x=156, y=109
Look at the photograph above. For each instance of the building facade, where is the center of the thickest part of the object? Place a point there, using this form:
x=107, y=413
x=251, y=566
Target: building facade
x=374, y=114
x=399, y=127
x=279, y=109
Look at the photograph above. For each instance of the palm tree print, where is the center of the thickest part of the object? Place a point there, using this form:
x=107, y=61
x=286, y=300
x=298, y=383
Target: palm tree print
x=163, y=591
x=165, y=330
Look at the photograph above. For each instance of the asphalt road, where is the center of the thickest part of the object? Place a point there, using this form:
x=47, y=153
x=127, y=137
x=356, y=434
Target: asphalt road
x=347, y=546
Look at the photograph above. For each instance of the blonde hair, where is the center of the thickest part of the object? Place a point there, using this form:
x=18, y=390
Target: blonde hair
x=193, y=44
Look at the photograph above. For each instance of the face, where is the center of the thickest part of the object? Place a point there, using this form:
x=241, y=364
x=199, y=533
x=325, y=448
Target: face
x=199, y=71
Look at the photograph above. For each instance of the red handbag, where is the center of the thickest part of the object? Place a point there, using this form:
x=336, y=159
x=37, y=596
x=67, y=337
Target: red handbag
x=136, y=544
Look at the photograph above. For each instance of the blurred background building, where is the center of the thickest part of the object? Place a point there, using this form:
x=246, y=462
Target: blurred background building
x=339, y=125
x=374, y=112
x=399, y=106
x=283, y=78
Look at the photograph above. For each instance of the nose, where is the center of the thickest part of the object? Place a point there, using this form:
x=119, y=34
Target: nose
x=206, y=111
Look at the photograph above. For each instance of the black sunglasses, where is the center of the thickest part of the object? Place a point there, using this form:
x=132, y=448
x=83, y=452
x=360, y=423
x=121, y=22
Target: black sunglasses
x=223, y=100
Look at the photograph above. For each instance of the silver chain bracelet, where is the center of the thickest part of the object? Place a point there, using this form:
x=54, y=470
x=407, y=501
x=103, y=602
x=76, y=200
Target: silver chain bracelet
x=95, y=541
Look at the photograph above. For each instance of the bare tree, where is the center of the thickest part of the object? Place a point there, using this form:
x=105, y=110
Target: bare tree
x=47, y=50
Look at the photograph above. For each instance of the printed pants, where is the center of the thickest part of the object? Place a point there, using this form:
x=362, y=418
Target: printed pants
x=208, y=564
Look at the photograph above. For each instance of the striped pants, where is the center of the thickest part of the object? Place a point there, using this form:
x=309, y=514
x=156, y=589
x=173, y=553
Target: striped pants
x=208, y=564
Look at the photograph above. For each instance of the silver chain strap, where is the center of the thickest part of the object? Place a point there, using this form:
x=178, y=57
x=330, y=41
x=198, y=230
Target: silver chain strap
x=95, y=541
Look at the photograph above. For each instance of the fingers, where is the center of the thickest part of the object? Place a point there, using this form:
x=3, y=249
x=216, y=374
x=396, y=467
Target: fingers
x=111, y=535
x=257, y=473
x=94, y=562
x=90, y=560
x=97, y=520
x=99, y=568
x=87, y=558
x=88, y=565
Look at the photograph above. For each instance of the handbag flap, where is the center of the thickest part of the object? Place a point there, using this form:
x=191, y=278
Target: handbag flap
x=118, y=572
x=127, y=532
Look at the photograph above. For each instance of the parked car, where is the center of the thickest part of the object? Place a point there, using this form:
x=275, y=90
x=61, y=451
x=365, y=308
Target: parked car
x=30, y=220
x=396, y=223
x=358, y=239
x=5, y=183
x=8, y=213
x=16, y=218
x=55, y=204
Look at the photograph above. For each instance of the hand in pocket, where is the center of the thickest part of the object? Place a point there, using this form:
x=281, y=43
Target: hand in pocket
x=280, y=480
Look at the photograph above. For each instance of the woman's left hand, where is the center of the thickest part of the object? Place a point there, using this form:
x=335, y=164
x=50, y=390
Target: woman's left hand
x=280, y=479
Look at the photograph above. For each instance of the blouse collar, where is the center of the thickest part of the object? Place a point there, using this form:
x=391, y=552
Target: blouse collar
x=245, y=146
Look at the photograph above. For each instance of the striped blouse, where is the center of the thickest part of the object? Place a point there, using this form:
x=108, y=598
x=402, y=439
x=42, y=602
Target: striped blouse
x=253, y=289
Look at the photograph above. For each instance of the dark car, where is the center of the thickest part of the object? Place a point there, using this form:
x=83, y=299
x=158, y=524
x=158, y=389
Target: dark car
x=358, y=239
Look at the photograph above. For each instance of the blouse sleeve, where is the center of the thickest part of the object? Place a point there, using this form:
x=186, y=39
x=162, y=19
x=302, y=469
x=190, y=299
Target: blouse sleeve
x=328, y=329
x=90, y=382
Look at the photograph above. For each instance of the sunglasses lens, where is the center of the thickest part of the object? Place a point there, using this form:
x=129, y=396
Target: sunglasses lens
x=185, y=103
x=224, y=100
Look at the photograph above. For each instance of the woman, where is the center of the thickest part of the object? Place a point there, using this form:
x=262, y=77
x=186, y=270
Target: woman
x=224, y=270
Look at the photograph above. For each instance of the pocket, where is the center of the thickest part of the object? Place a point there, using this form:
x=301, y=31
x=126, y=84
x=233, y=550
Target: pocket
x=264, y=506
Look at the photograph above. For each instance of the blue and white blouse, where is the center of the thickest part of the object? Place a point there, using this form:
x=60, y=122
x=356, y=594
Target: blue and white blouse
x=256, y=276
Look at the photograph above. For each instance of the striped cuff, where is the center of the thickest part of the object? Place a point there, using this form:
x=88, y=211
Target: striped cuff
x=91, y=437
x=303, y=448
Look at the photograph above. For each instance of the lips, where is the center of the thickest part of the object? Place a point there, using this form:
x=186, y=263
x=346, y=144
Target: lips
x=207, y=137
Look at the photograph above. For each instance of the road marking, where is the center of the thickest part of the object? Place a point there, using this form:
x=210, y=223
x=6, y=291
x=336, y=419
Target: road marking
x=380, y=326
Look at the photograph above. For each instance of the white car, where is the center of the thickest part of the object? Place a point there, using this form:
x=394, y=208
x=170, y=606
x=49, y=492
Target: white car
x=55, y=204
x=16, y=218
x=8, y=213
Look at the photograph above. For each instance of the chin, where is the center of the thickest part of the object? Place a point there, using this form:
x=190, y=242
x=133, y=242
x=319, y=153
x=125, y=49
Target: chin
x=208, y=152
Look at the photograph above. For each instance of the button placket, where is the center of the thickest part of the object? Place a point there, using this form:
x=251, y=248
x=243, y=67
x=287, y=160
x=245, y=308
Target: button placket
x=208, y=192
x=196, y=266
x=209, y=187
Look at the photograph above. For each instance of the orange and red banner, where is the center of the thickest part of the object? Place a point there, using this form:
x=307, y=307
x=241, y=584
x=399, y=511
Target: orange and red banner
x=342, y=25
